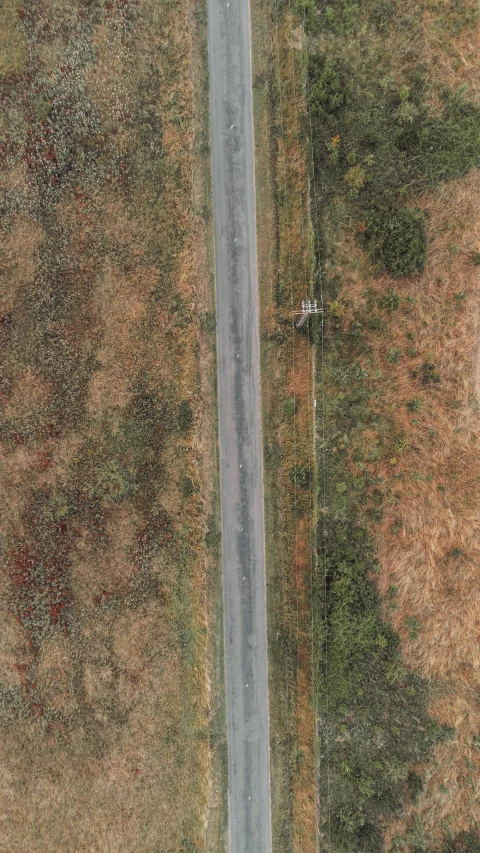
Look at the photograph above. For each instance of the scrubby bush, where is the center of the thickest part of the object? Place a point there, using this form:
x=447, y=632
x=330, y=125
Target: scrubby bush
x=450, y=144
x=414, y=405
x=299, y=476
x=390, y=300
x=186, y=487
x=429, y=374
x=290, y=406
x=332, y=88
x=396, y=237
x=394, y=355
x=185, y=416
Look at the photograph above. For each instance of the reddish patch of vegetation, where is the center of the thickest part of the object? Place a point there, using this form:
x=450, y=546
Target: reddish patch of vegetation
x=21, y=668
x=24, y=564
x=40, y=589
x=43, y=461
x=103, y=596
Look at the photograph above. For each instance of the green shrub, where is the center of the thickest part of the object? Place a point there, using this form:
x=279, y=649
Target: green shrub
x=289, y=407
x=415, y=784
x=185, y=416
x=186, y=487
x=450, y=144
x=413, y=626
x=332, y=86
x=393, y=355
x=355, y=180
x=429, y=374
x=113, y=481
x=396, y=237
x=415, y=404
x=375, y=323
x=456, y=553
x=382, y=14
x=299, y=476
x=390, y=300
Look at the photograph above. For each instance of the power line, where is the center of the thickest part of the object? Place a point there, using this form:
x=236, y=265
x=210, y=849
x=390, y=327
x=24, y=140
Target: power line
x=324, y=470
x=305, y=315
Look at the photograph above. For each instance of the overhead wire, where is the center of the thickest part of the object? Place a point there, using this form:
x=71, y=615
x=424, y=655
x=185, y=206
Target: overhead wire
x=310, y=397
x=323, y=477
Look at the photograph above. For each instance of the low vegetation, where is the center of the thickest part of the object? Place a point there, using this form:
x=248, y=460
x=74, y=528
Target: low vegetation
x=104, y=695
x=284, y=265
x=395, y=148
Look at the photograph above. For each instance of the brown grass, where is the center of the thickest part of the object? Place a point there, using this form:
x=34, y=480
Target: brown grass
x=12, y=39
x=432, y=487
x=452, y=56
x=17, y=259
x=110, y=752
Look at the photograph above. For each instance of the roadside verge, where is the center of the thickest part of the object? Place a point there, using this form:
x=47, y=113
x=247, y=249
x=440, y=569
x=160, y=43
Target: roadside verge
x=284, y=248
x=216, y=816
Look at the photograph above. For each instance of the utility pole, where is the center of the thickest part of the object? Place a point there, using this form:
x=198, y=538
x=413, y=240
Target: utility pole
x=308, y=308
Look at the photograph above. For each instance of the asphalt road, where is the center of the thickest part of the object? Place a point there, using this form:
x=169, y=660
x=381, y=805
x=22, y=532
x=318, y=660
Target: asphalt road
x=240, y=426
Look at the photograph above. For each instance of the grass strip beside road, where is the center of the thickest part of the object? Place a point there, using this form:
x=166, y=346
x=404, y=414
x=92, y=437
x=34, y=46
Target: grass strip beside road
x=284, y=274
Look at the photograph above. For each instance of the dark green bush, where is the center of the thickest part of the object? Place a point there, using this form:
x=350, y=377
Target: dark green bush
x=415, y=784
x=396, y=237
x=185, y=416
x=393, y=355
x=415, y=404
x=382, y=14
x=429, y=374
x=390, y=300
x=186, y=487
x=289, y=406
x=375, y=323
x=332, y=86
x=299, y=476
x=450, y=145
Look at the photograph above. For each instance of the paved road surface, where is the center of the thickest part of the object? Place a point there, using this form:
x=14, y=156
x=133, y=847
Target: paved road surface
x=240, y=425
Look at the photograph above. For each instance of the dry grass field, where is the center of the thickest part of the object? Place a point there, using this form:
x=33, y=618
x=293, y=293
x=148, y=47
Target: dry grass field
x=427, y=540
x=105, y=697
